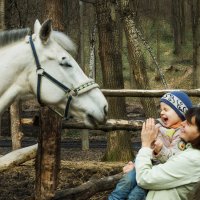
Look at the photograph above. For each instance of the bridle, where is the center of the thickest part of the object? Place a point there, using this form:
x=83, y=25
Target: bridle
x=83, y=88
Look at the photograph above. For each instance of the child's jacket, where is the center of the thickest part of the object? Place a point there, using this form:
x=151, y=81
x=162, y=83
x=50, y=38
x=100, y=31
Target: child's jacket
x=172, y=143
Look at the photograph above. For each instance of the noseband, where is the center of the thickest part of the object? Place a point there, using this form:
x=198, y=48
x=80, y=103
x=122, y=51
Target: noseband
x=83, y=88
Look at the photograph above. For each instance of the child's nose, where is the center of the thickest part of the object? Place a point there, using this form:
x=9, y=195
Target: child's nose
x=162, y=112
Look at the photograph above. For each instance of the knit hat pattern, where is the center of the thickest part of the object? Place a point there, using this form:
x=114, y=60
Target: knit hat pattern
x=178, y=101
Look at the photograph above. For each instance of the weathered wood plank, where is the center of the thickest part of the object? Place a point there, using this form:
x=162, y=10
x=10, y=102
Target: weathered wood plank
x=112, y=124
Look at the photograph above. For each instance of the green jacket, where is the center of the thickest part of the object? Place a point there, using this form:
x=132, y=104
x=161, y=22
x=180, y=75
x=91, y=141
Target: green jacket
x=172, y=180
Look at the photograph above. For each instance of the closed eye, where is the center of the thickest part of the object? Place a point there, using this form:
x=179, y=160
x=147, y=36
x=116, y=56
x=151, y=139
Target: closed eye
x=64, y=62
x=65, y=65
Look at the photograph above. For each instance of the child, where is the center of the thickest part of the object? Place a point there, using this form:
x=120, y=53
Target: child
x=173, y=107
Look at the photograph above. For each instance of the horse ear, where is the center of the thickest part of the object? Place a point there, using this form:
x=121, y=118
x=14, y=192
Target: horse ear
x=37, y=26
x=45, y=30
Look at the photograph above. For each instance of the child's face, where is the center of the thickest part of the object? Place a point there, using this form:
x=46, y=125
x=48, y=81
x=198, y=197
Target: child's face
x=189, y=131
x=169, y=116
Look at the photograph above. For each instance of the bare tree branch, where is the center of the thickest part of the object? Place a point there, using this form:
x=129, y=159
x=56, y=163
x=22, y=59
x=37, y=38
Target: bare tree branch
x=88, y=189
x=17, y=157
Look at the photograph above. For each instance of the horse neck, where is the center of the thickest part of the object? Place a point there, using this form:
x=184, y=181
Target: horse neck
x=15, y=66
x=15, y=56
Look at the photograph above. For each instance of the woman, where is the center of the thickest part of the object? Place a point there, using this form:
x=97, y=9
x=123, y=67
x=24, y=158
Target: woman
x=173, y=106
x=174, y=179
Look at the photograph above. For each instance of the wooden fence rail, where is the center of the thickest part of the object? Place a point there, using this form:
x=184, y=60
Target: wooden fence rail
x=120, y=124
x=146, y=93
x=111, y=124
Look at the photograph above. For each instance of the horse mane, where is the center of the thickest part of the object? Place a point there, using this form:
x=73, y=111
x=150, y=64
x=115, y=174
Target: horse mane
x=11, y=36
x=64, y=41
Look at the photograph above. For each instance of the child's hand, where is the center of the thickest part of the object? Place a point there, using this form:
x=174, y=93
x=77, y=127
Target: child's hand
x=127, y=168
x=157, y=146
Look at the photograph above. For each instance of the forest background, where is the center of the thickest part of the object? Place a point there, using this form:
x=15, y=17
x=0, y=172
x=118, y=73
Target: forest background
x=131, y=44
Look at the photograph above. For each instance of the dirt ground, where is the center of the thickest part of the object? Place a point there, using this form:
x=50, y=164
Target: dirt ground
x=77, y=167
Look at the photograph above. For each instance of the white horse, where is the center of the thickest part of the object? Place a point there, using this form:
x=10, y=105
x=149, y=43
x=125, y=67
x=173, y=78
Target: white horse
x=41, y=66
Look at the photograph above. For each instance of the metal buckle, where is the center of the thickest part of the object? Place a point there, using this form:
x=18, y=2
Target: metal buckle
x=73, y=93
x=40, y=71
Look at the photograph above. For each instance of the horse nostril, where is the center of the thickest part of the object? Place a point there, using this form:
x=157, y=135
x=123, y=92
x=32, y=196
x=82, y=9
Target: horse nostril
x=92, y=119
x=63, y=58
x=106, y=110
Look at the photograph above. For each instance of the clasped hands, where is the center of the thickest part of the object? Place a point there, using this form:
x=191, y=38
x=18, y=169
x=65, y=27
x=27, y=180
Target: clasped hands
x=149, y=134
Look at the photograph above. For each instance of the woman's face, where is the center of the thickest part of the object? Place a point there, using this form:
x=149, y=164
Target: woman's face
x=189, y=131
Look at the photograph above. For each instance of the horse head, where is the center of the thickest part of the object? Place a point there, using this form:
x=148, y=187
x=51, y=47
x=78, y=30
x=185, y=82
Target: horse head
x=60, y=77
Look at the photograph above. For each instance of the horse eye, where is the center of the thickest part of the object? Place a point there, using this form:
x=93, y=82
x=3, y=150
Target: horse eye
x=65, y=64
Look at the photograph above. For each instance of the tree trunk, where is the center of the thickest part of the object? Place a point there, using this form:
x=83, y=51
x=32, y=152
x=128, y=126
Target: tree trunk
x=110, y=45
x=2, y=15
x=2, y=27
x=176, y=24
x=84, y=133
x=74, y=26
x=92, y=57
x=158, y=31
x=183, y=20
x=16, y=134
x=136, y=58
x=48, y=156
x=71, y=15
x=195, y=13
x=53, y=9
x=81, y=45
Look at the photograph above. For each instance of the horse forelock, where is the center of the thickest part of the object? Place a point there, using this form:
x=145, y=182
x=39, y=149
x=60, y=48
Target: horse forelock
x=11, y=36
x=64, y=41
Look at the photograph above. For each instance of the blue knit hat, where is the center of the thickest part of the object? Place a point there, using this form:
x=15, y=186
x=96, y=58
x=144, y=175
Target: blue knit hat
x=178, y=101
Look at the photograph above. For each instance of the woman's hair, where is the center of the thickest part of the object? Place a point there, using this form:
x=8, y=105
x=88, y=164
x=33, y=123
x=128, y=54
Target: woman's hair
x=194, y=112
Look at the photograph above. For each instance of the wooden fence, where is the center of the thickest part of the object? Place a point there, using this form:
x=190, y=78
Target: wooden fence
x=110, y=125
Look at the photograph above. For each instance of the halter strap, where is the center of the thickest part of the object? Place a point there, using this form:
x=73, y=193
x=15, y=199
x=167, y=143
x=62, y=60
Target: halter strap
x=37, y=62
x=41, y=72
x=70, y=93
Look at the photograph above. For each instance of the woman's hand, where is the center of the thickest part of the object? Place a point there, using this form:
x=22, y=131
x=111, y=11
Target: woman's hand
x=127, y=168
x=149, y=133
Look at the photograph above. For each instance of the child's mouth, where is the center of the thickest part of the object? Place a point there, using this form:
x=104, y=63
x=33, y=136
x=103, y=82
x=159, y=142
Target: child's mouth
x=164, y=119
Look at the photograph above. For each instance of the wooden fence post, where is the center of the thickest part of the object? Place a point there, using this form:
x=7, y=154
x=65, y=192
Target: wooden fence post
x=16, y=134
x=48, y=155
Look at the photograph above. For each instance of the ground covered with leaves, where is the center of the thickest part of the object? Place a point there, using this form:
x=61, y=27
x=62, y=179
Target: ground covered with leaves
x=77, y=167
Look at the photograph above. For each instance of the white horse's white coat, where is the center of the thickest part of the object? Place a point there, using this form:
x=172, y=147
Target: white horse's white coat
x=18, y=76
